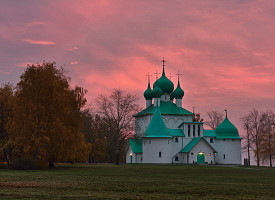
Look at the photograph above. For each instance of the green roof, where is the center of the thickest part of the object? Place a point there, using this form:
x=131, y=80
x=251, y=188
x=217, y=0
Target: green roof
x=209, y=133
x=190, y=145
x=157, y=127
x=166, y=108
x=226, y=130
x=136, y=145
x=176, y=132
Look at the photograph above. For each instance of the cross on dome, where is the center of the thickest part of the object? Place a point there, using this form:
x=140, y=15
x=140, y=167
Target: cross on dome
x=178, y=74
x=148, y=75
x=156, y=74
x=163, y=62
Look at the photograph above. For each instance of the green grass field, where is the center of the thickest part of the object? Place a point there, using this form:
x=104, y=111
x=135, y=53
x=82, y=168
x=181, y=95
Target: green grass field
x=81, y=181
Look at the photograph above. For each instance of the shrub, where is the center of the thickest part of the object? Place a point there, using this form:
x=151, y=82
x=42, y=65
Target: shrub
x=27, y=164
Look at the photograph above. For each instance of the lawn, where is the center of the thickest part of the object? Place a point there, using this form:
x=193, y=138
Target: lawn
x=85, y=181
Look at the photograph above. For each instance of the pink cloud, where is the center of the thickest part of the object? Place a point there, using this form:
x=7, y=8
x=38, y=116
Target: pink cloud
x=74, y=63
x=39, y=42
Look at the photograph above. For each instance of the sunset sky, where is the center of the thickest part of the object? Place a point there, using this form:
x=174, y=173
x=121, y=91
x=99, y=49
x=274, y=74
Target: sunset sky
x=225, y=50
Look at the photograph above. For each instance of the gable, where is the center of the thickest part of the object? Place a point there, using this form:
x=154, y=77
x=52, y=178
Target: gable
x=193, y=143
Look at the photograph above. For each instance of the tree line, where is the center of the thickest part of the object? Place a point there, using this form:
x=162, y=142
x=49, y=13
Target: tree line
x=44, y=120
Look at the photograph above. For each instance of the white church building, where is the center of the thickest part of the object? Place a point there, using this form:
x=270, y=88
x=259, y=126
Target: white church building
x=166, y=133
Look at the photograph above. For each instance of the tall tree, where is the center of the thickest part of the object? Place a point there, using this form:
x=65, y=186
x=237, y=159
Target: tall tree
x=215, y=118
x=118, y=111
x=267, y=130
x=246, y=123
x=47, y=119
x=6, y=104
x=254, y=118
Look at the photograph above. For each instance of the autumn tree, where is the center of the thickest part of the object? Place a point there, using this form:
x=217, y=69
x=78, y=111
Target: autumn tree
x=97, y=134
x=197, y=117
x=47, y=120
x=215, y=118
x=260, y=128
x=117, y=110
x=6, y=104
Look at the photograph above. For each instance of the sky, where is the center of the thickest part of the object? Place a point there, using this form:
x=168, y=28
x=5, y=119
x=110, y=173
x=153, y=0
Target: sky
x=223, y=49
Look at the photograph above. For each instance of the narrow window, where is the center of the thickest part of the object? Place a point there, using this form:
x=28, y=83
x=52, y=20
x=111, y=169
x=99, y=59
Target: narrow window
x=159, y=154
x=141, y=159
x=199, y=131
x=176, y=140
x=194, y=130
x=176, y=158
x=223, y=156
x=211, y=140
x=188, y=130
x=168, y=141
x=149, y=141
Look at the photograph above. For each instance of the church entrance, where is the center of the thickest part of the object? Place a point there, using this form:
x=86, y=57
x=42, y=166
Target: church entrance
x=200, y=158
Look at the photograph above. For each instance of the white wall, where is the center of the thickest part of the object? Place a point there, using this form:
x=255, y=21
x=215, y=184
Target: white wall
x=151, y=150
x=231, y=150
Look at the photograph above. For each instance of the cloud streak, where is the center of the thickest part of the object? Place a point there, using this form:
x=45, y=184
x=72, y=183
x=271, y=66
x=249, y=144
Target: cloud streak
x=39, y=42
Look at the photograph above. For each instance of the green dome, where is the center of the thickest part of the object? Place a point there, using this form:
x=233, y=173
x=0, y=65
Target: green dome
x=172, y=96
x=178, y=93
x=148, y=93
x=227, y=130
x=165, y=84
x=157, y=91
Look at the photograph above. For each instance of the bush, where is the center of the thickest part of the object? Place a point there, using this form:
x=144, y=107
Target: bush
x=27, y=164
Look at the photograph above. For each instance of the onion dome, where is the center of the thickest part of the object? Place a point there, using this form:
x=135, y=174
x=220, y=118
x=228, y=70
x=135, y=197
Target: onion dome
x=226, y=130
x=172, y=96
x=157, y=91
x=148, y=93
x=178, y=93
x=165, y=84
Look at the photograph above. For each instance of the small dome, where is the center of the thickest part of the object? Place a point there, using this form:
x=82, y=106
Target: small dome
x=178, y=93
x=148, y=93
x=227, y=130
x=157, y=91
x=172, y=96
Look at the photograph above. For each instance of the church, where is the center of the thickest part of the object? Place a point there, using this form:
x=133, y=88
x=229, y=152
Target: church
x=165, y=132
